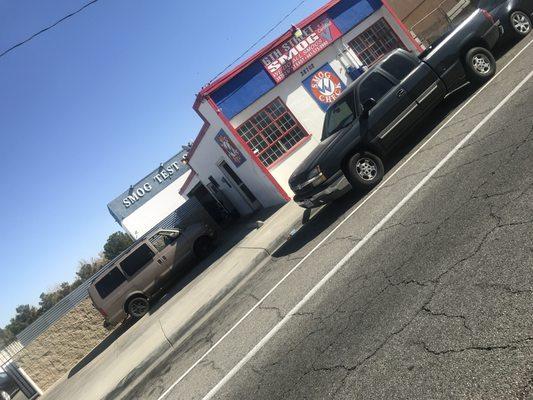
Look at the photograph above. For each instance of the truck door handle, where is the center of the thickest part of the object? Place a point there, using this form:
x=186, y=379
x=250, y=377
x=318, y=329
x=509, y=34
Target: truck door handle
x=401, y=93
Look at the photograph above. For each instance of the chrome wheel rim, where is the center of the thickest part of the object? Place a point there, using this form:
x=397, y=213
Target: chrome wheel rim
x=366, y=168
x=521, y=23
x=481, y=64
x=138, y=307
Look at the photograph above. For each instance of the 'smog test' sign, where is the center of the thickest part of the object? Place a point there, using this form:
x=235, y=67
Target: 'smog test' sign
x=140, y=191
x=294, y=53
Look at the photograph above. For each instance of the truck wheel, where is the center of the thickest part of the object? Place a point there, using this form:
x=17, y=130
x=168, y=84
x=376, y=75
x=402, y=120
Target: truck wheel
x=137, y=307
x=480, y=65
x=521, y=23
x=365, y=170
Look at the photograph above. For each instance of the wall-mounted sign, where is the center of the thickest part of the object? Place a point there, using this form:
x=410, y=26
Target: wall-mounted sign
x=141, y=192
x=293, y=54
x=230, y=149
x=325, y=86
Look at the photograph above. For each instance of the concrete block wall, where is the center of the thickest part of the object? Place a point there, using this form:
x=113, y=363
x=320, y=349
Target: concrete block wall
x=63, y=345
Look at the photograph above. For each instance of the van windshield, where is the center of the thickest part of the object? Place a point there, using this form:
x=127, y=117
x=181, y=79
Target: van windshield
x=339, y=116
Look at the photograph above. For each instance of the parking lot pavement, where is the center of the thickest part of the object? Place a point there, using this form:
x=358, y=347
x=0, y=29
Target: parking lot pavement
x=434, y=298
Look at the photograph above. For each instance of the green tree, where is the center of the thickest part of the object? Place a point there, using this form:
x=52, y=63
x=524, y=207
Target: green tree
x=50, y=299
x=116, y=244
x=6, y=337
x=25, y=316
x=87, y=269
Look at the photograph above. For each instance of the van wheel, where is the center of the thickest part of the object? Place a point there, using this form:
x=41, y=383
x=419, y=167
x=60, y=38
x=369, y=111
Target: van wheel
x=521, y=23
x=137, y=307
x=480, y=65
x=365, y=170
x=203, y=247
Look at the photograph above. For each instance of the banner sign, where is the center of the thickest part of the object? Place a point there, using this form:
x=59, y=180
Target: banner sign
x=294, y=53
x=325, y=86
x=229, y=148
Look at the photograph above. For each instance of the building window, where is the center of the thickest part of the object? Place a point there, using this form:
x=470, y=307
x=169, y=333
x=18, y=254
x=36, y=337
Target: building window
x=272, y=132
x=375, y=42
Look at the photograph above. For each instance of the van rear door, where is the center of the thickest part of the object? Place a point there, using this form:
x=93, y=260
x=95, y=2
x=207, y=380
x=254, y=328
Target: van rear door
x=107, y=293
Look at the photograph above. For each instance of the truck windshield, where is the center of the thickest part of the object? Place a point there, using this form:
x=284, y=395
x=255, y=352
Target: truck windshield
x=339, y=116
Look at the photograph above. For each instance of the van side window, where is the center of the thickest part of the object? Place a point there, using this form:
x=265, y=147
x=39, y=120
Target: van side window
x=375, y=86
x=112, y=280
x=398, y=66
x=137, y=260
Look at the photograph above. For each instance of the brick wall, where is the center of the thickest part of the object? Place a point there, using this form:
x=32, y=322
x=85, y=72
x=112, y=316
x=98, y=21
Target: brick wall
x=63, y=345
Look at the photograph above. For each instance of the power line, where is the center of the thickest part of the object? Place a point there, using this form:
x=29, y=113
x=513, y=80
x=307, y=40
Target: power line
x=48, y=28
x=259, y=40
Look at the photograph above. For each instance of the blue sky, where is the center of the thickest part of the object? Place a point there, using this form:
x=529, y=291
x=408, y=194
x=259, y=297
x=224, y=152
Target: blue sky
x=92, y=106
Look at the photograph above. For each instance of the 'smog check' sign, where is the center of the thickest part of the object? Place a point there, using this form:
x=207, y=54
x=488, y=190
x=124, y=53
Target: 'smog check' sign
x=230, y=149
x=294, y=53
x=324, y=86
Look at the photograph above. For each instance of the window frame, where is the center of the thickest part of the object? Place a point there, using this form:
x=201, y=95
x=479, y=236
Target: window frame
x=100, y=280
x=152, y=249
x=370, y=45
x=274, y=121
x=385, y=75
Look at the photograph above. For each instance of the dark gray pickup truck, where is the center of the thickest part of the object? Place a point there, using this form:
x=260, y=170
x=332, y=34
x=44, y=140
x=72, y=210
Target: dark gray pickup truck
x=384, y=104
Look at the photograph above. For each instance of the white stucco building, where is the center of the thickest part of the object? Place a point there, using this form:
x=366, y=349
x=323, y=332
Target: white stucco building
x=265, y=116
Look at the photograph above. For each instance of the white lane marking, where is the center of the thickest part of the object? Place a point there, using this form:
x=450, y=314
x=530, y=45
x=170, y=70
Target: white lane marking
x=369, y=236
x=365, y=200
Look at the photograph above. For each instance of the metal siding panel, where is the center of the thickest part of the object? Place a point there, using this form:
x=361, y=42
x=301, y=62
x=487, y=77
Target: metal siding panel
x=243, y=90
x=190, y=212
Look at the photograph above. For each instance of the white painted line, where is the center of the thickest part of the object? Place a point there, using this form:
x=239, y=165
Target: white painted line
x=369, y=236
x=367, y=198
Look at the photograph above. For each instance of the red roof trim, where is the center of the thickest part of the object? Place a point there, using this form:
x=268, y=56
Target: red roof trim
x=231, y=74
x=199, y=138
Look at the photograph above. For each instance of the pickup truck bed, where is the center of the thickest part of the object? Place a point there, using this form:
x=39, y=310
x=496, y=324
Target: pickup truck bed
x=385, y=103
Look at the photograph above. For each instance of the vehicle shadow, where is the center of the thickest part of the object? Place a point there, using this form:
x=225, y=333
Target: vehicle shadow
x=326, y=216
x=233, y=234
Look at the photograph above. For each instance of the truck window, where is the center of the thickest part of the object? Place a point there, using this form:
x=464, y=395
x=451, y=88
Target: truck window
x=399, y=67
x=374, y=86
x=340, y=115
x=112, y=280
x=137, y=260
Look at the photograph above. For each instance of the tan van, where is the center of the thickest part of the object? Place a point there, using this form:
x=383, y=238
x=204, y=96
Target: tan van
x=126, y=286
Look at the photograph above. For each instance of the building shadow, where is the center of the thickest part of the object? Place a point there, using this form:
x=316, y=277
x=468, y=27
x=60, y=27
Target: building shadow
x=232, y=235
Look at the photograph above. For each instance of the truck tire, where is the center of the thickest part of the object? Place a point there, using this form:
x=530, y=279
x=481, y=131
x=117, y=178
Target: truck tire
x=364, y=170
x=521, y=23
x=480, y=65
x=137, y=306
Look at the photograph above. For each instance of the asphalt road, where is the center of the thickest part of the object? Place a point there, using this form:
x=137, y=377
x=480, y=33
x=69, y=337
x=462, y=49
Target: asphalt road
x=423, y=289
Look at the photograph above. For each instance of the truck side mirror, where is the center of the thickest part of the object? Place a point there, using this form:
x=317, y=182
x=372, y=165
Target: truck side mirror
x=368, y=105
